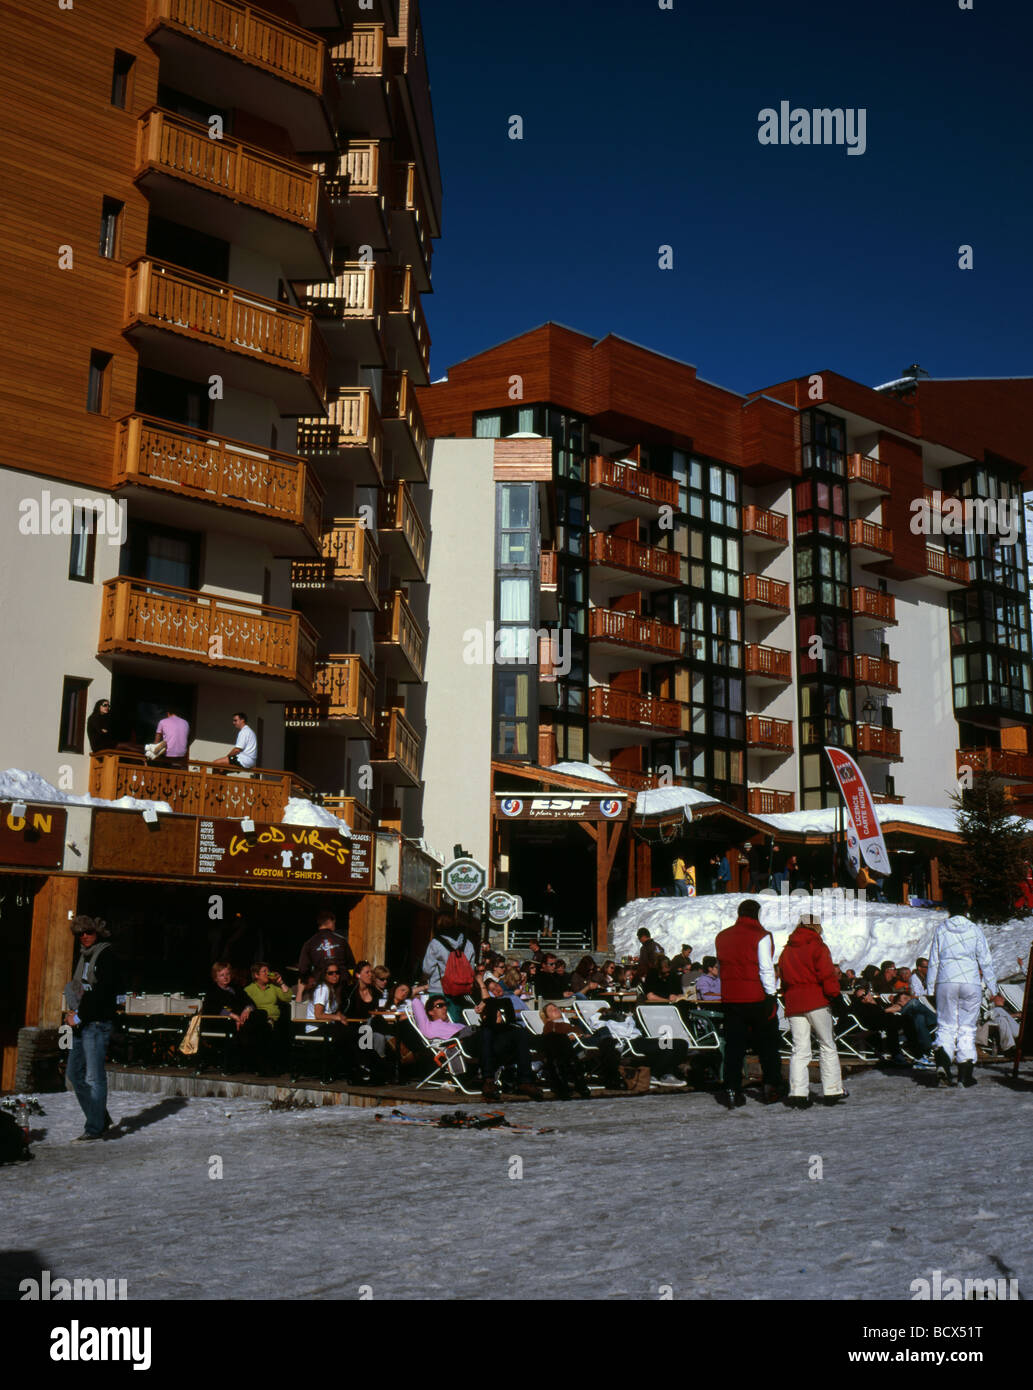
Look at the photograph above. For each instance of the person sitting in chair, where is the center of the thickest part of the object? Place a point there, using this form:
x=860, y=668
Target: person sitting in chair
x=244, y=753
x=504, y=1040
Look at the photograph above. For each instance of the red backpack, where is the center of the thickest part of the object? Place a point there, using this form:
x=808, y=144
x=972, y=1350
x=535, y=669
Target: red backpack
x=458, y=976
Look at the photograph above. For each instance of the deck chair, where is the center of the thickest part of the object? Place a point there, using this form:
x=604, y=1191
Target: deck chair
x=1013, y=994
x=785, y=1033
x=849, y=1032
x=534, y=1023
x=439, y=1058
x=471, y=1018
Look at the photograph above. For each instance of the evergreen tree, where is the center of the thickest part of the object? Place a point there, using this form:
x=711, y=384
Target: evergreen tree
x=989, y=865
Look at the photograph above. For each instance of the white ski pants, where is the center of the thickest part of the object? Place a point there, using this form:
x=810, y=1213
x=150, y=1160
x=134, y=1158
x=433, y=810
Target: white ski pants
x=957, y=1016
x=818, y=1022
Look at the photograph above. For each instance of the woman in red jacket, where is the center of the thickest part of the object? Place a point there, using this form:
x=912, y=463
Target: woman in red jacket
x=810, y=980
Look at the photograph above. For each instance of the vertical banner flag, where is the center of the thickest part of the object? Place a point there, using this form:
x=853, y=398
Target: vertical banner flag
x=864, y=823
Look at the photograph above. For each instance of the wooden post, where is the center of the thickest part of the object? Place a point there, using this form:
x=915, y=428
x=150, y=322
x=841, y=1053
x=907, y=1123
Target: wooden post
x=934, y=878
x=645, y=869
x=51, y=951
x=367, y=928
x=606, y=842
x=631, y=868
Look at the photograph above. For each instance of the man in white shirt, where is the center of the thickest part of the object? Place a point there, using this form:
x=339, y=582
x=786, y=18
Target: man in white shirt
x=244, y=753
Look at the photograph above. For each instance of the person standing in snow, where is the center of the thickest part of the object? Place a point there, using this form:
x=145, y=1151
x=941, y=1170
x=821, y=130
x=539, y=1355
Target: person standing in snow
x=746, y=957
x=809, y=979
x=90, y=1000
x=959, y=963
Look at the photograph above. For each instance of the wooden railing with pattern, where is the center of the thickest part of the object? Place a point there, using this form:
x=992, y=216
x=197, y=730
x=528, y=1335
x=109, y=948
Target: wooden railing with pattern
x=996, y=760
x=351, y=294
x=397, y=512
x=614, y=625
x=764, y=732
x=548, y=565
x=874, y=670
x=400, y=403
x=211, y=629
x=253, y=35
x=358, y=171
x=211, y=468
x=861, y=469
x=633, y=482
x=352, y=422
x=761, y=802
x=954, y=567
x=771, y=593
x=624, y=707
x=622, y=553
x=345, y=689
x=197, y=788
x=397, y=741
x=355, y=813
x=348, y=553
x=773, y=526
x=774, y=662
x=169, y=297
x=396, y=623
x=870, y=536
x=362, y=53
x=872, y=603
x=878, y=740
x=403, y=301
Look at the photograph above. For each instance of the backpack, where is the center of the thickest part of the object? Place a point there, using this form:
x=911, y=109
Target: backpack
x=458, y=976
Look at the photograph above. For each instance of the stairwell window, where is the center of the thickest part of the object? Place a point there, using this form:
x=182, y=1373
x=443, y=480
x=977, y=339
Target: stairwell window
x=110, y=243
x=98, y=389
x=73, y=715
x=84, y=545
x=121, y=78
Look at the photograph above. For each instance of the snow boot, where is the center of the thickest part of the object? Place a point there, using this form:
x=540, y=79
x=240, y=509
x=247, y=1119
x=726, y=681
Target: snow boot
x=965, y=1070
x=836, y=1099
x=944, y=1076
x=798, y=1102
x=731, y=1100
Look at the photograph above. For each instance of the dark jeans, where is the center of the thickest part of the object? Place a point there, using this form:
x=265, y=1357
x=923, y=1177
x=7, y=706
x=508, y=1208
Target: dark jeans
x=753, y=1025
x=506, y=1043
x=885, y=1028
x=919, y=1025
x=87, y=1075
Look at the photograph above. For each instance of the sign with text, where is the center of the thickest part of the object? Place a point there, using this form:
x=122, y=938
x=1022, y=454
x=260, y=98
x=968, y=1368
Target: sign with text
x=866, y=840
x=575, y=806
x=502, y=907
x=464, y=880
x=35, y=839
x=300, y=855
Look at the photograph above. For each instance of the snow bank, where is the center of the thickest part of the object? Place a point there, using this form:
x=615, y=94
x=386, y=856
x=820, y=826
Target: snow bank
x=823, y=822
x=16, y=785
x=660, y=799
x=302, y=812
x=858, y=933
x=585, y=770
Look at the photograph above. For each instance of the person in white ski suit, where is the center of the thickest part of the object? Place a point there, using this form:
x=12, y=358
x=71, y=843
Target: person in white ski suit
x=959, y=963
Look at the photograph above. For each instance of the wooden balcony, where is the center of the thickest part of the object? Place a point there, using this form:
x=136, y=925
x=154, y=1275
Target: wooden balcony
x=874, y=609
x=768, y=735
x=762, y=529
x=870, y=542
x=639, y=781
x=402, y=534
x=348, y=310
x=203, y=326
x=406, y=327
x=197, y=788
x=180, y=462
x=1000, y=761
x=355, y=813
x=210, y=630
x=548, y=569
x=404, y=429
x=610, y=706
x=874, y=670
x=548, y=593
x=769, y=597
x=362, y=75
x=233, y=190
x=249, y=58
x=396, y=749
x=760, y=802
x=344, y=690
x=877, y=741
x=768, y=665
x=867, y=477
x=348, y=445
x=613, y=627
x=947, y=571
x=658, y=568
x=399, y=639
x=356, y=185
x=410, y=225
x=348, y=569
x=624, y=490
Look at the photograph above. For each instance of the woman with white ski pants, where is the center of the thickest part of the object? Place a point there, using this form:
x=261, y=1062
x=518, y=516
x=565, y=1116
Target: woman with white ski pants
x=959, y=963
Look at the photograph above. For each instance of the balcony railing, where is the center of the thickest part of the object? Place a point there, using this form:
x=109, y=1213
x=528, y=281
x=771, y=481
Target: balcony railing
x=760, y=802
x=639, y=781
x=867, y=535
x=996, y=760
x=352, y=427
x=358, y=172
x=952, y=567
x=350, y=556
x=406, y=197
x=403, y=303
x=397, y=742
x=245, y=173
x=350, y=295
x=872, y=603
x=622, y=553
x=355, y=813
x=210, y=629
x=396, y=624
x=548, y=569
x=253, y=35
x=624, y=707
x=875, y=670
x=861, y=469
x=771, y=526
x=628, y=629
x=197, y=788
x=169, y=297
x=878, y=741
x=398, y=517
x=401, y=408
x=881, y=799
x=344, y=690
x=769, y=593
x=763, y=732
x=362, y=53
x=633, y=482
x=191, y=463
x=772, y=662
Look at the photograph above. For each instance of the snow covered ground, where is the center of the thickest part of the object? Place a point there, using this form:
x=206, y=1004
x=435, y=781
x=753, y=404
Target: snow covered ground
x=625, y=1198
x=858, y=933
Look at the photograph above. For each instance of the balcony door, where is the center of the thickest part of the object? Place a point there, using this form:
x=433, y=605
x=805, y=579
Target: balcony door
x=138, y=704
x=160, y=555
x=173, y=398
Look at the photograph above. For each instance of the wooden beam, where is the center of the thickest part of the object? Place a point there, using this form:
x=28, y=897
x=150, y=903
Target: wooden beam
x=51, y=950
x=605, y=853
x=367, y=928
x=934, y=878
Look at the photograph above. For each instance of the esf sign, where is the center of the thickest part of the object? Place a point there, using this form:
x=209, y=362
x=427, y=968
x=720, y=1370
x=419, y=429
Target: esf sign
x=613, y=808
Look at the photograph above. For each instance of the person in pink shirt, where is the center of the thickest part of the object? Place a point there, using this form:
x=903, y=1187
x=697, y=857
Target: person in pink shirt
x=176, y=734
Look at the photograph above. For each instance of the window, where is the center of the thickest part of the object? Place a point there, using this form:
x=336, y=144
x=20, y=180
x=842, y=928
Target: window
x=511, y=704
x=515, y=515
x=98, y=390
x=110, y=228
x=121, y=75
x=84, y=545
x=73, y=715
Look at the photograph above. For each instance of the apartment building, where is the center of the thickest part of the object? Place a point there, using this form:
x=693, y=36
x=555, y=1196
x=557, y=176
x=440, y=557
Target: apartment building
x=732, y=582
x=218, y=228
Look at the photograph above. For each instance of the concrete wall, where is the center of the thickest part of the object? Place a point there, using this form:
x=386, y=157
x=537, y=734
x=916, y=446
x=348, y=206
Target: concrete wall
x=924, y=709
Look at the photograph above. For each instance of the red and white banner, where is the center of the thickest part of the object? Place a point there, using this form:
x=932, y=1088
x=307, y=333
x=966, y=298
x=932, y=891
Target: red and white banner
x=860, y=809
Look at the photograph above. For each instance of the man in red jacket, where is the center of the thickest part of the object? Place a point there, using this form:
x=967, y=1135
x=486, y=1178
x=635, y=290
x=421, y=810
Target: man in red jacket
x=810, y=980
x=746, y=955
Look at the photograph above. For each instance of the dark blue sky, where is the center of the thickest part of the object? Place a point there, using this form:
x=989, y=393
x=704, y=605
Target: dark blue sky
x=641, y=129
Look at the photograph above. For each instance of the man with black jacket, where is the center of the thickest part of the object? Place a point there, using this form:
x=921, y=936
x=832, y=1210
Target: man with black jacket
x=504, y=1040
x=90, y=1009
